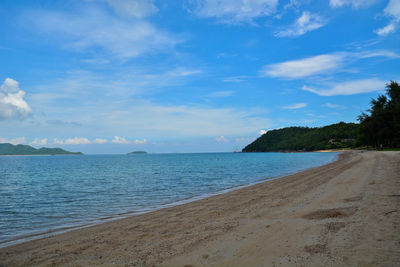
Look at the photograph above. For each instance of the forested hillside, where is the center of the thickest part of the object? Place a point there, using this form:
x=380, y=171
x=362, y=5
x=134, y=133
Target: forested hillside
x=10, y=149
x=340, y=135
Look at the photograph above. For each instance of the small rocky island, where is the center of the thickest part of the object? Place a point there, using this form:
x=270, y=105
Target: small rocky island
x=11, y=150
x=137, y=152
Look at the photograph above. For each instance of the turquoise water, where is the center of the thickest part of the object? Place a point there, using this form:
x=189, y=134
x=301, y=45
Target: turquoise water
x=44, y=193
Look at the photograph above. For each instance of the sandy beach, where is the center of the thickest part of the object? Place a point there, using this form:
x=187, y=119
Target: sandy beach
x=346, y=213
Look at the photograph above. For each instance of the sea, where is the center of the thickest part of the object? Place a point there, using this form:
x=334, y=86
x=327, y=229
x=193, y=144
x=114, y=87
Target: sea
x=47, y=195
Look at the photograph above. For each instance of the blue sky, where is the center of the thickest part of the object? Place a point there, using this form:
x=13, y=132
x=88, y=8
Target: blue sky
x=104, y=76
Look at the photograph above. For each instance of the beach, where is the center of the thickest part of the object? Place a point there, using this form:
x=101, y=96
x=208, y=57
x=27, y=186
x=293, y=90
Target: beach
x=345, y=213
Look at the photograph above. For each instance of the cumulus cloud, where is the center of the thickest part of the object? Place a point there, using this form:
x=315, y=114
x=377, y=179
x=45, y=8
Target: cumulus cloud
x=100, y=141
x=234, y=11
x=133, y=8
x=15, y=141
x=262, y=132
x=392, y=10
x=353, y=3
x=296, y=106
x=304, y=67
x=38, y=142
x=12, y=102
x=221, y=139
x=348, y=88
x=120, y=140
x=95, y=29
x=140, y=142
x=305, y=23
x=72, y=141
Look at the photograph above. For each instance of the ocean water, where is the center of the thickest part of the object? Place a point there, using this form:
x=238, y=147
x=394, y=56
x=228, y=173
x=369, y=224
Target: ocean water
x=45, y=193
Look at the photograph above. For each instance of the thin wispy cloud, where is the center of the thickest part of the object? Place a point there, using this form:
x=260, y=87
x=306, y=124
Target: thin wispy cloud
x=304, y=67
x=221, y=93
x=348, y=88
x=234, y=11
x=295, y=106
x=235, y=79
x=92, y=29
x=133, y=8
x=321, y=64
x=353, y=3
x=334, y=106
x=305, y=23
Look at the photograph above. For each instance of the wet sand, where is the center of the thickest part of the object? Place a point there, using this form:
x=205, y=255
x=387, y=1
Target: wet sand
x=346, y=213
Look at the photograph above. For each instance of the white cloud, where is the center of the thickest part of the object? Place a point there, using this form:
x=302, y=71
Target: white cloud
x=120, y=140
x=377, y=53
x=296, y=106
x=354, y=3
x=321, y=64
x=221, y=139
x=304, y=67
x=15, y=141
x=100, y=141
x=262, y=132
x=349, y=88
x=390, y=28
x=38, y=142
x=182, y=72
x=392, y=10
x=305, y=23
x=235, y=11
x=96, y=30
x=72, y=141
x=235, y=79
x=221, y=93
x=330, y=105
x=133, y=8
x=140, y=142
x=12, y=102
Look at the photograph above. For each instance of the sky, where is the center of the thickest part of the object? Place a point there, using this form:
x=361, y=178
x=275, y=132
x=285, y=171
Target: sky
x=114, y=76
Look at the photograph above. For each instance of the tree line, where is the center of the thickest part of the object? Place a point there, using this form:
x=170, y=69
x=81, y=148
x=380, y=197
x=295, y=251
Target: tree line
x=380, y=126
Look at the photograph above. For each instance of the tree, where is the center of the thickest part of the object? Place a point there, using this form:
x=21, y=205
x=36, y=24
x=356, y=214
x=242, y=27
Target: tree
x=381, y=127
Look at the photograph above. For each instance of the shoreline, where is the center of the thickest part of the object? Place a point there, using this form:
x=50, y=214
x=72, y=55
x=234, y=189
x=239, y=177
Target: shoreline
x=114, y=217
x=341, y=213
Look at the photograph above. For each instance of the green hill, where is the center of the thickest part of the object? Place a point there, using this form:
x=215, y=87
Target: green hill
x=10, y=149
x=340, y=135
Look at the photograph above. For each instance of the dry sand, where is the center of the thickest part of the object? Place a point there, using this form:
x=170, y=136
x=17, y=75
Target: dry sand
x=346, y=213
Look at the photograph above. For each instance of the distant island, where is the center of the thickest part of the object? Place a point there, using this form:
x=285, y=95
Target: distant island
x=10, y=149
x=137, y=152
x=379, y=128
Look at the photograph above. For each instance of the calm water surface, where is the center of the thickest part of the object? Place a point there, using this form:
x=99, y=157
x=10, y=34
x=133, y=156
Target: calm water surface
x=42, y=193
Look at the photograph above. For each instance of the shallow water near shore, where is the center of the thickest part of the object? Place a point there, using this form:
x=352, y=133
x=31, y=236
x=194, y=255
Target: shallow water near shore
x=45, y=193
